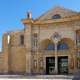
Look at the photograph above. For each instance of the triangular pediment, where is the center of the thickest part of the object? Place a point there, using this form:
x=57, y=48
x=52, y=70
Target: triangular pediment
x=60, y=12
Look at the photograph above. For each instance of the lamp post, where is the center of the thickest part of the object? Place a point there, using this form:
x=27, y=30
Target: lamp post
x=56, y=39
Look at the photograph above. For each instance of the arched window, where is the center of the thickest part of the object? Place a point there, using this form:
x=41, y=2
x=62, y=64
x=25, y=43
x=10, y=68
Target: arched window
x=50, y=47
x=56, y=16
x=62, y=46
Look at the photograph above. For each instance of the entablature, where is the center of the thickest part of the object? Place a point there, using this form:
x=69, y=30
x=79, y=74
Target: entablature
x=51, y=21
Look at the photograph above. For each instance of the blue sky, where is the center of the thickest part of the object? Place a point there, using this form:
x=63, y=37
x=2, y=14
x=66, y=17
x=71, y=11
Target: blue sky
x=12, y=11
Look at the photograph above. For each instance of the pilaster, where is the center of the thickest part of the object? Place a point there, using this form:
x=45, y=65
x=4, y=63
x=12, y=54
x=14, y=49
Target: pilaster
x=28, y=42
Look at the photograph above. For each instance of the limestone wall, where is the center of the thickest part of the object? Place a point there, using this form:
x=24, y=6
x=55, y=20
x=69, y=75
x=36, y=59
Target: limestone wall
x=65, y=31
x=17, y=59
x=1, y=62
x=17, y=53
x=5, y=53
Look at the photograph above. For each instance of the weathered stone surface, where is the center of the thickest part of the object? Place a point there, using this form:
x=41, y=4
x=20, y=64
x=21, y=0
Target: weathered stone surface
x=28, y=58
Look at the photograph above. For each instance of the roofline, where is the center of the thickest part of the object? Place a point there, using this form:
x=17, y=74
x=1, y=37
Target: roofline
x=52, y=21
x=54, y=8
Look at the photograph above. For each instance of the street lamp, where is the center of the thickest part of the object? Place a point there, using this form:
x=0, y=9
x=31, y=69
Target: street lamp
x=56, y=38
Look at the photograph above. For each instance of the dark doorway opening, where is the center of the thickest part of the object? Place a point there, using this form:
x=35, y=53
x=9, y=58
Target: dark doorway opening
x=50, y=65
x=63, y=65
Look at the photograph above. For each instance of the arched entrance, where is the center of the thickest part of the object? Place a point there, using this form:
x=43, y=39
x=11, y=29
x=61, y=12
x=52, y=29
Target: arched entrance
x=48, y=46
x=65, y=44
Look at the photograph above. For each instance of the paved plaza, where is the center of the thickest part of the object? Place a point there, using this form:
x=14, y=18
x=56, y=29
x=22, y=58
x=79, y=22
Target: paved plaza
x=53, y=77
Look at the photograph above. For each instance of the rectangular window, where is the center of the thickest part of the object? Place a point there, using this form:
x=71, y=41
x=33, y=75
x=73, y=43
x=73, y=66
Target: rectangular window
x=22, y=39
x=35, y=37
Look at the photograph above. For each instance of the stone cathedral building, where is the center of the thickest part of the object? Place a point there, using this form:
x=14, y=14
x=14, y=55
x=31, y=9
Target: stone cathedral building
x=49, y=44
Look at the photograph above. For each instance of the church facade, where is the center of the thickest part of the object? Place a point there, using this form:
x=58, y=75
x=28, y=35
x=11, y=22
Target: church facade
x=49, y=44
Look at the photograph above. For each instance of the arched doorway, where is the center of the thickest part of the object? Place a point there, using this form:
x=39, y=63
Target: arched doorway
x=64, y=44
x=48, y=46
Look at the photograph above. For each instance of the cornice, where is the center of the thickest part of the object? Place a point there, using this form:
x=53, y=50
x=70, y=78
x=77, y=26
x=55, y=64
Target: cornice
x=52, y=21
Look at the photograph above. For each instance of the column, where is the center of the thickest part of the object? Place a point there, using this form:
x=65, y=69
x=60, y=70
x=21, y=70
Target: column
x=56, y=59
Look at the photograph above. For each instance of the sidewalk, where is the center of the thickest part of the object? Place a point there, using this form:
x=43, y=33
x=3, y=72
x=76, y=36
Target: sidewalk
x=54, y=77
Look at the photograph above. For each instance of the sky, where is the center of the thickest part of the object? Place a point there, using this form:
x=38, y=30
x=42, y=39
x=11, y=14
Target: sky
x=13, y=11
